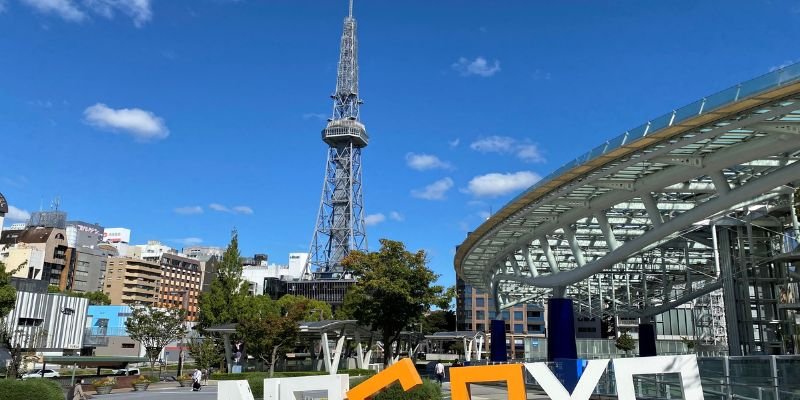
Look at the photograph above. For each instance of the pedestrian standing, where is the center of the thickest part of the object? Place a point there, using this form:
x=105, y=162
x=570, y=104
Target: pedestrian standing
x=439, y=370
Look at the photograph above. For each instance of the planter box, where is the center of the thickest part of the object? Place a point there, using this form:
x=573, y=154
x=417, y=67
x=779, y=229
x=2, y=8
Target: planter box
x=140, y=387
x=103, y=389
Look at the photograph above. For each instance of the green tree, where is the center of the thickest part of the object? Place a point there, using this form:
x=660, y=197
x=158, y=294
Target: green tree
x=221, y=304
x=97, y=298
x=625, y=342
x=393, y=289
x=689, y=342
x=205, y=352
x=155, y=328
x=269, y=328
x=439, y=321
x=315, y=310
x=8, y=295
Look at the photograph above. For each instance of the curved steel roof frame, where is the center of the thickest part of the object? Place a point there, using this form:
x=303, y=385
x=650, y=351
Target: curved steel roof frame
x=630, y=209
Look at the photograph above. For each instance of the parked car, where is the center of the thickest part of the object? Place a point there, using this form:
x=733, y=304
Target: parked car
x=127, y=371
x=37, y=373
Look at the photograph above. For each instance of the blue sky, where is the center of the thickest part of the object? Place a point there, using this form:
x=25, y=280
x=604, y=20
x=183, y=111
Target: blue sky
x=184, y=119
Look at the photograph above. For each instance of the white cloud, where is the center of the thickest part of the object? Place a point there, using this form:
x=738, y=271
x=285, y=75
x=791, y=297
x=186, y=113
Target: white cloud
x=540, y=75
x=218, y=207
x=493, y=144
x=319, y=116
x=65, y=9
x=17, y=214
x=141, y=124
x=242, y=210
x=245, y=210
x=479, y=66
x=484, y=215
x=189, y=210
x=2, y=5
x=138, y=10
x=189, y=241
x=525, y=151
x=421, y=162
x=396, y=216
x=435, y=191
x=530, y=153
x=374, y=219
x=454, y=143
x=498, y=184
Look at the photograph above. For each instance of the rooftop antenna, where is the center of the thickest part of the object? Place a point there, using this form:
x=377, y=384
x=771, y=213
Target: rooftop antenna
x=56, y=203
x=351, y=9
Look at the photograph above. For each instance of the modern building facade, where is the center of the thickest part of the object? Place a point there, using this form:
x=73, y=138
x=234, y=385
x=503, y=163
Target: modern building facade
x=48, y=323
x=525, y=323
x=51, y=242
x=181, y=280
x=133, y=281
x=105, y=332
x=87, y=256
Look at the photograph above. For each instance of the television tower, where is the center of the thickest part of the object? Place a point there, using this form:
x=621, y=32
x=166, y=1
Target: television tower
x=340, y=221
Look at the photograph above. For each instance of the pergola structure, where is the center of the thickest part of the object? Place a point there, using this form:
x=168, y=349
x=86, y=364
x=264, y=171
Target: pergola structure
x=473, y=342
x=632, y=228
x=340, y=331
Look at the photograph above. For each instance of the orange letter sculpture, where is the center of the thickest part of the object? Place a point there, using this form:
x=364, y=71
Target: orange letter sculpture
x=461, y=377
x=402, y=371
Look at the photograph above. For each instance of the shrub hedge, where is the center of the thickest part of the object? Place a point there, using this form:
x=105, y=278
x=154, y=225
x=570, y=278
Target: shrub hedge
x=428, y=391
x=40, y=388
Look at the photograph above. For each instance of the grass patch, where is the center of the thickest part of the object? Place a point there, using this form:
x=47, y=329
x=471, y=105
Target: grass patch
x=42, y=389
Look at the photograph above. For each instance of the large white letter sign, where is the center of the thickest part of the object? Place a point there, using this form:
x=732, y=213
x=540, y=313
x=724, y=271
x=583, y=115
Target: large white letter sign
x=289, y=388
x=626, y=368
x=553, y=387
x=234, y=390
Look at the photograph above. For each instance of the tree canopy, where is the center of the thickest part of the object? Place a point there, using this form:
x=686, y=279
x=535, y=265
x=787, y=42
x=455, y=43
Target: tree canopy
x=393, y=289
x=8, y=295
x=625, y=342
x=222, y=303
x=155, y=328
x=270, y=328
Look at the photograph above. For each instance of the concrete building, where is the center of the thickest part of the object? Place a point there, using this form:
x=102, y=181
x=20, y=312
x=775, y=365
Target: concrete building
x=525, y=323
x=181, y=281
x=152, y=251
x=26, y=261
x=50, y=241
x=208, y=256
x=89, y=257
x=105, y=333
x=133, y=281
x=49, y=323
x=203, y=253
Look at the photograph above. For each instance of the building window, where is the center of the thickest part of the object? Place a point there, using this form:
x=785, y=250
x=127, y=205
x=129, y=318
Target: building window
x=534, y=314
x=583, y=329
x=534, y=328
x=480, y=327
x=518, y=328
x=480, y=315
x=29, y=322
x=517, y=315
x=479, y=302
x=506, y=316
x=128, y=345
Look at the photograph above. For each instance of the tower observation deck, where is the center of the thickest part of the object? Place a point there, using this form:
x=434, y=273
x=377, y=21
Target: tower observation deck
x=340, y=220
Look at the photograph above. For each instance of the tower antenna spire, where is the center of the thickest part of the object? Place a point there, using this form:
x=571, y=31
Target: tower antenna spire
x=340, y=226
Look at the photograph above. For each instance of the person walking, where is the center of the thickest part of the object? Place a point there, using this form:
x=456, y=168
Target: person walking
x=197, y=376
x=439, y=370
